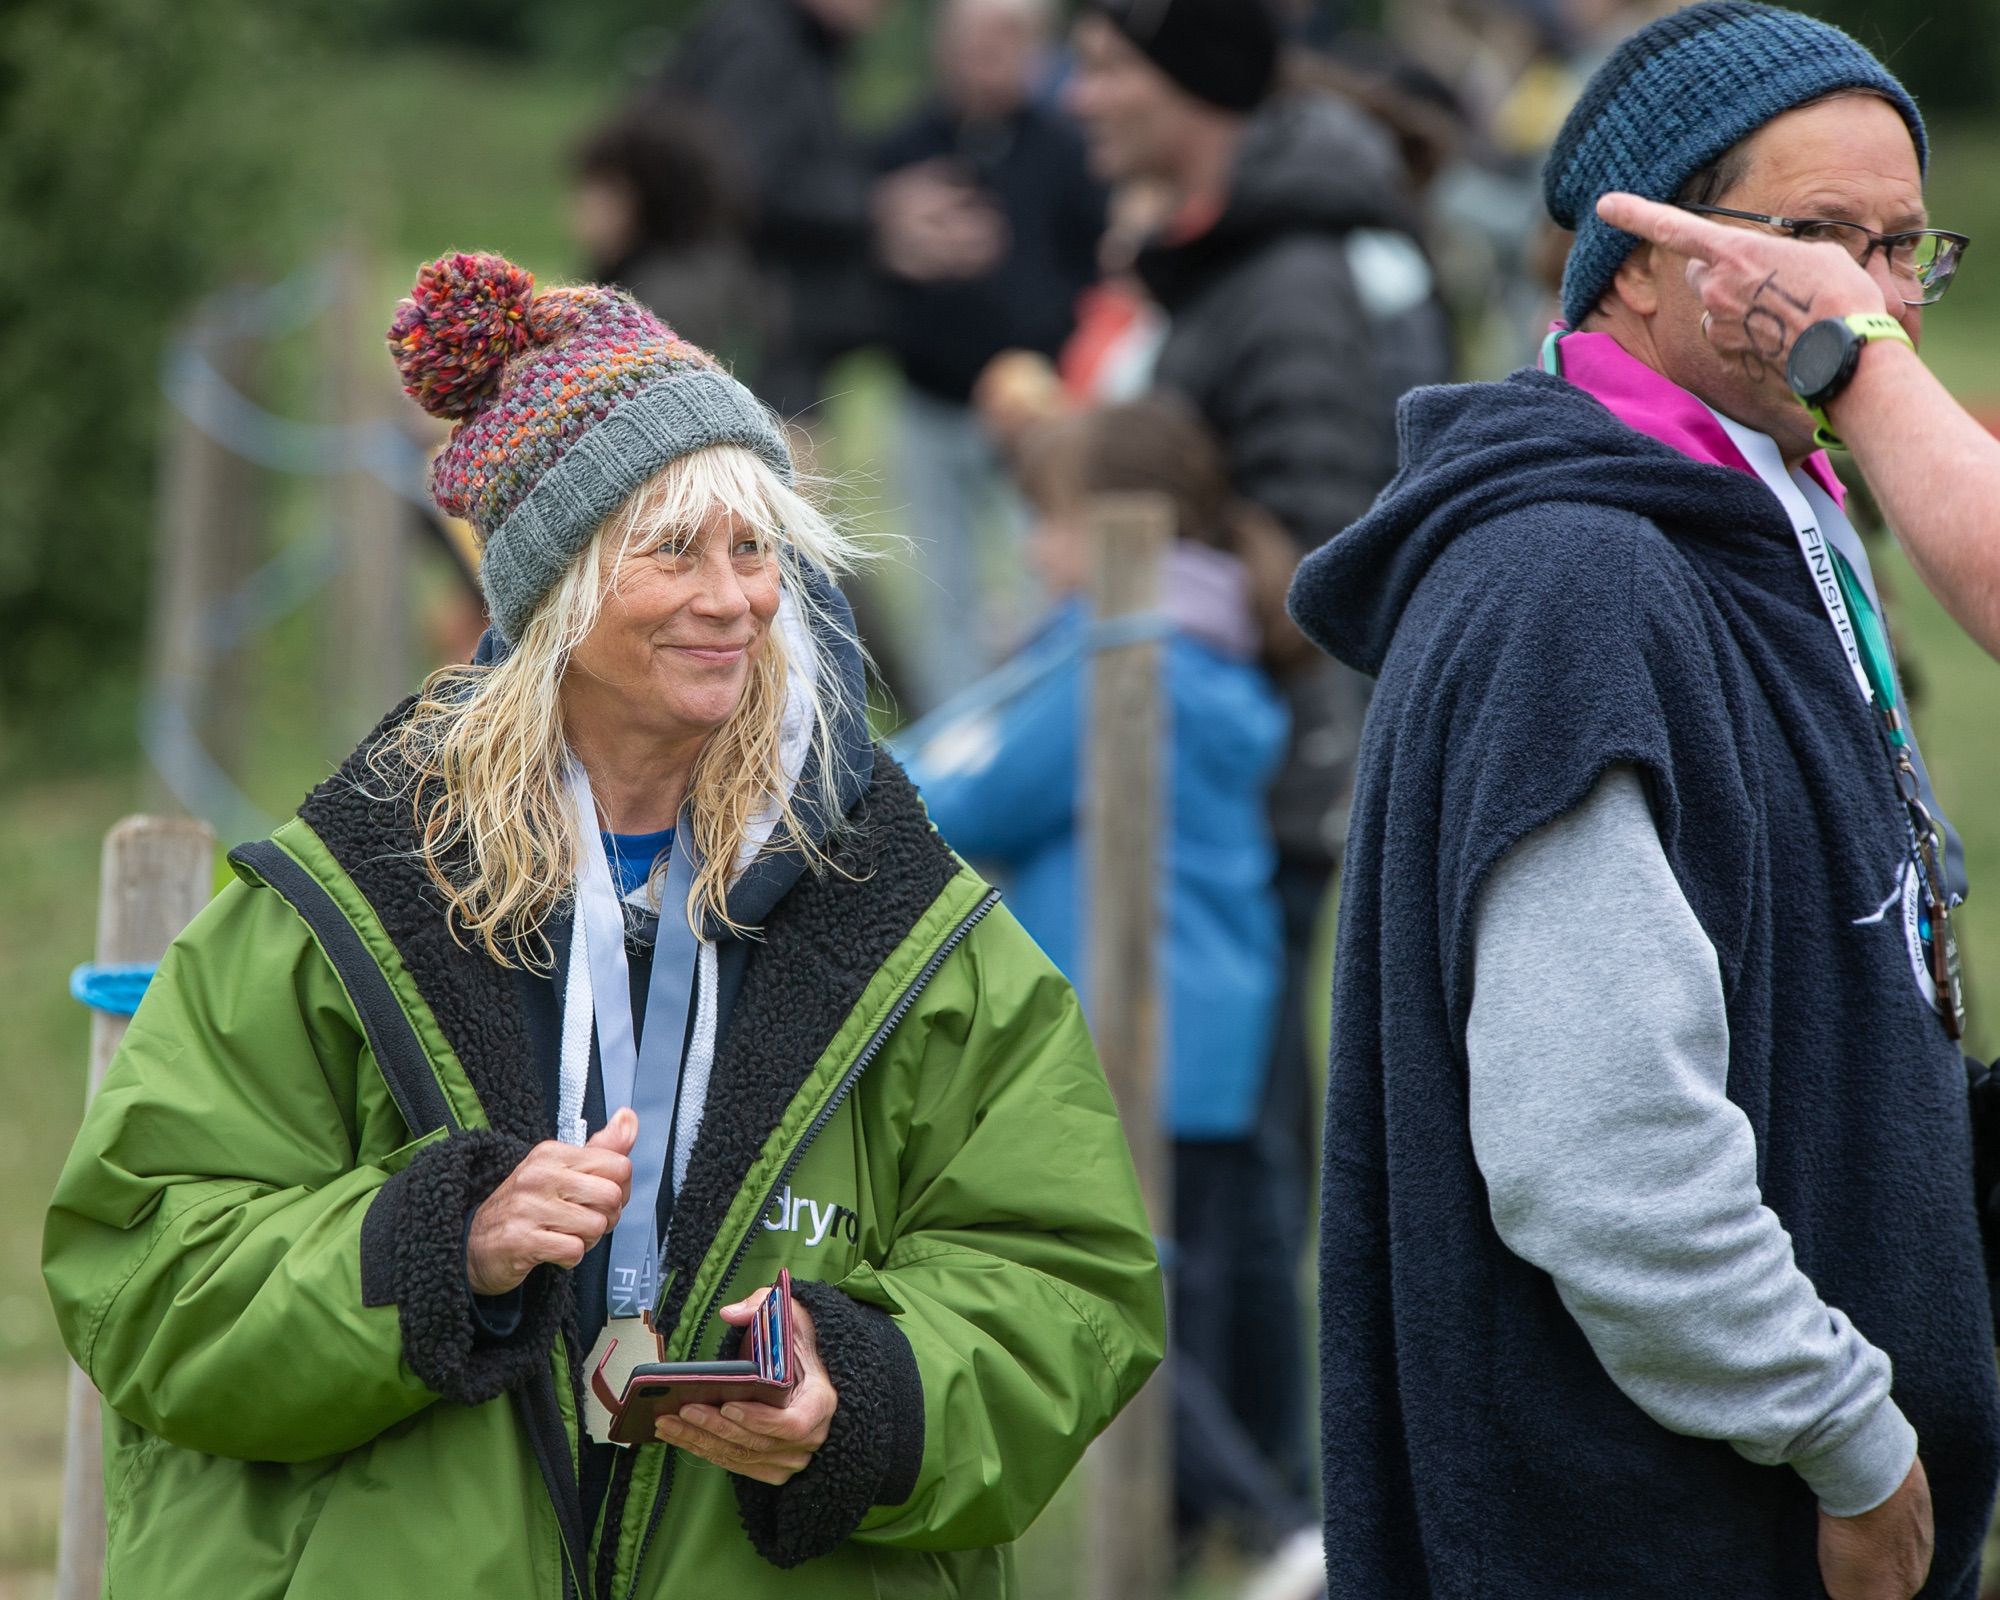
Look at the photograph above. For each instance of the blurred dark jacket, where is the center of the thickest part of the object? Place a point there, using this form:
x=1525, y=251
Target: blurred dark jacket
x=707, y=293
x=687, y=253
x=771, y=74
x=1298, y=367
x=1032, y=168
x=1269, y=334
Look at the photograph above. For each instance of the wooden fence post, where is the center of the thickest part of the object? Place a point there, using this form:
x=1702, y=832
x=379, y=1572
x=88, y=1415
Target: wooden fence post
x=157, y=872
x=369, y=616
x=210, y=535
x=1130, y=1553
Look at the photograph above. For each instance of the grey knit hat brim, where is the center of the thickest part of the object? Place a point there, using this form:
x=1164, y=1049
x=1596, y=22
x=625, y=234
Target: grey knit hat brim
x=527, y=554
x=1674, y=97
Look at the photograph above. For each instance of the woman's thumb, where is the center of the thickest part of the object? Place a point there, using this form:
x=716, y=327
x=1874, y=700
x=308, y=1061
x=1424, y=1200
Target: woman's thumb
x=619, y=1134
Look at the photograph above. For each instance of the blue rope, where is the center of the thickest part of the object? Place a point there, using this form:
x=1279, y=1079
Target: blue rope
x=283, y=444
x=114, y=990
x=1012, y=679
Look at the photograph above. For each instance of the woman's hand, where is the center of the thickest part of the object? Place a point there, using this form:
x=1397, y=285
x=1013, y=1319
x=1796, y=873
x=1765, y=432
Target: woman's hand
x=769, y=1443
x=554, y=1206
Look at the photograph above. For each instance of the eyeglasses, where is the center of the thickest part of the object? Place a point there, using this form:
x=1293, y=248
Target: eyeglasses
x=1926, y=258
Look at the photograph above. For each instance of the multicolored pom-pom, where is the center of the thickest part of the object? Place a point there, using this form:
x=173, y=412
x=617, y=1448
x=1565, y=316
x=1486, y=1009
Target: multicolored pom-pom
x=523, y=376
x=451, y=338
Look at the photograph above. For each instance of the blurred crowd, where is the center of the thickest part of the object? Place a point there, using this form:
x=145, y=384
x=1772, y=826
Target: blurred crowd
x=1196, y=248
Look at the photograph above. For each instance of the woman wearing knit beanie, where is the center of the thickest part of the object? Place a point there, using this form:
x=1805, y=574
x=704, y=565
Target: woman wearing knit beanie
x=616, y=983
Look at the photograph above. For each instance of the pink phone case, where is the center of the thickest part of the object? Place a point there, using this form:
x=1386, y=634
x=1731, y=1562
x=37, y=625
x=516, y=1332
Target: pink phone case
x=650, y=1396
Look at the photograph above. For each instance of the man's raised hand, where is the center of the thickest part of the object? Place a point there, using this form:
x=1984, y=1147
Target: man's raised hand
x=554, y=1206
x=1760, y=290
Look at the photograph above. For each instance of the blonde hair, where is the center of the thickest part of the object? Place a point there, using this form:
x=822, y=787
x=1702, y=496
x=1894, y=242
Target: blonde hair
x=483, y=756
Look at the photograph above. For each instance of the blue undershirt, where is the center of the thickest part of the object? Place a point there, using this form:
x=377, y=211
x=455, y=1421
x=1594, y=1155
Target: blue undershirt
x=632, y=856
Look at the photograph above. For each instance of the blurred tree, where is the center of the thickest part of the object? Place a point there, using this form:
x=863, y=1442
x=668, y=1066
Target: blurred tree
x=606, y=34
x=1947, y=51
x=138, y=169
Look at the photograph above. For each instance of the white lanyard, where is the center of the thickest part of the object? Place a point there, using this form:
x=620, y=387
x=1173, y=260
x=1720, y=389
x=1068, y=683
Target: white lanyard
x=645, y=1075
x=1762, y=454
x=1822, y=529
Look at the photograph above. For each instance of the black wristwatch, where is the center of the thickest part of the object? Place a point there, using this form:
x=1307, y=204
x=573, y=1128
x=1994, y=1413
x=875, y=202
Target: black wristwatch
x=1823, y=360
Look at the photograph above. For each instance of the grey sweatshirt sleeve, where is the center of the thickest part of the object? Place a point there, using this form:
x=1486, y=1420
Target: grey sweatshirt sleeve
x=1599, y=1051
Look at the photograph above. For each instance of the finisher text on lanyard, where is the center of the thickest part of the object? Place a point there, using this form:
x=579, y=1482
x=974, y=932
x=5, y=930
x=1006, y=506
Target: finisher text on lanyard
x=1866, y=647
x=645, y=1076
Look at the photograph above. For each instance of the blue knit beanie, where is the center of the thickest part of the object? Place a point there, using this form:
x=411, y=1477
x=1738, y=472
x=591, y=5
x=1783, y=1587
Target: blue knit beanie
x=1674, y=97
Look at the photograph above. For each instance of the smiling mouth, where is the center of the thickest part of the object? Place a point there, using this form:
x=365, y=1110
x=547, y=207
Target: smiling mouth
x=714, y=654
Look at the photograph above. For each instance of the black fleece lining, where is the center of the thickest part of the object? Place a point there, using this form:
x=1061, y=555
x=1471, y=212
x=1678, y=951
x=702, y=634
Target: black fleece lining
x=378, y=1253
x=413, y=1249
x=417, y=1225
x=398, y=1051
x=817, y=951
x=874, y=1445
x=369, y=826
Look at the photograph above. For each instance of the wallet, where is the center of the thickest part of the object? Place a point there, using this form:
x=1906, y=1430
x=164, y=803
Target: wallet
x=768, y=1372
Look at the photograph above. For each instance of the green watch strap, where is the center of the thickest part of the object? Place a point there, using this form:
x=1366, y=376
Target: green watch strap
x=1865, y=326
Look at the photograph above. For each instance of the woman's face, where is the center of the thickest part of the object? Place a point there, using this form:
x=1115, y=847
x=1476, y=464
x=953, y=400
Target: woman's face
x=686, y=615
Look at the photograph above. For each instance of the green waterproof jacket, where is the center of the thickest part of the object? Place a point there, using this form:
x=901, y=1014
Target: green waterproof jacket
x=256, y=1249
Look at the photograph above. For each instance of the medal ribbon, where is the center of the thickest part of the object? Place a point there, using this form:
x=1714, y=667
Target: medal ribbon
x=644, y=1074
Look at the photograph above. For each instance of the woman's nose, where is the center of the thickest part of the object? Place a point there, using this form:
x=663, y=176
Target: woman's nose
x=719, y=590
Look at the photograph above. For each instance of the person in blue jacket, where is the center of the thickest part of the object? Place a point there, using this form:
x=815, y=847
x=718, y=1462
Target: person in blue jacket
x=1001, y=770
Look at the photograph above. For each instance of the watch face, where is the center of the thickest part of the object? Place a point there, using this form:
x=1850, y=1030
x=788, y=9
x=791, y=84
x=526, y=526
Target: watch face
x=1818, y=358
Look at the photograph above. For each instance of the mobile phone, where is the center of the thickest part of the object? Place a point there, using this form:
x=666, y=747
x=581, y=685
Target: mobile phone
x=675, y=1371
x=660, y=1388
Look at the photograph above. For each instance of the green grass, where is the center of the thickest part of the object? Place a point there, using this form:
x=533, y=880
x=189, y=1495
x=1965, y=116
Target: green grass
x=50, y=836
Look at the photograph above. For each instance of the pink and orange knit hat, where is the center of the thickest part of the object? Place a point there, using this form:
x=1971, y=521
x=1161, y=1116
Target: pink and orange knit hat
x=563, y=404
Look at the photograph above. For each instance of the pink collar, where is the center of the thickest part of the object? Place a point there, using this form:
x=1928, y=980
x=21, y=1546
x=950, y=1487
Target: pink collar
x=1656, y=406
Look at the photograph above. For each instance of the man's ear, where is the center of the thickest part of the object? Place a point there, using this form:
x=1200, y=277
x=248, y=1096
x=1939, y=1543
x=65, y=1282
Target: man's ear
x=1637, y=286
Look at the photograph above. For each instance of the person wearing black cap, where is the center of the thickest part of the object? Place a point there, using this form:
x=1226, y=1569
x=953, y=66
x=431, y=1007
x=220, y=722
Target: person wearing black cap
x=1223, y=53
x=1275, y=338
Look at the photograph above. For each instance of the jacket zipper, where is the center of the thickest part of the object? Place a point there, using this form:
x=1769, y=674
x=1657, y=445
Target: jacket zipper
x=835, y=1101
x=550, y=1439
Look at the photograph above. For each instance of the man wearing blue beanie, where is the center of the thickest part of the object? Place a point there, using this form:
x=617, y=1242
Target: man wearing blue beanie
x=1649, y=1256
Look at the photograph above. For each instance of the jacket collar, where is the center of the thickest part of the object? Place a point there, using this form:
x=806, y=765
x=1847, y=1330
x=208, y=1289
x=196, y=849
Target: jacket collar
x=1661, y=409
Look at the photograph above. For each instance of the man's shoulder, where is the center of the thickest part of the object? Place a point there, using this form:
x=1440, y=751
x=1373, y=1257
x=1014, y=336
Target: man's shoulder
x=737, y=37
x=1566, y=554
x=1584, y=601
x=926, y=129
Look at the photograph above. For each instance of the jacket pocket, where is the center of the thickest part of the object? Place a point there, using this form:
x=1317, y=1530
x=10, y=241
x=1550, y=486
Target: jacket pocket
x=181, y=1525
